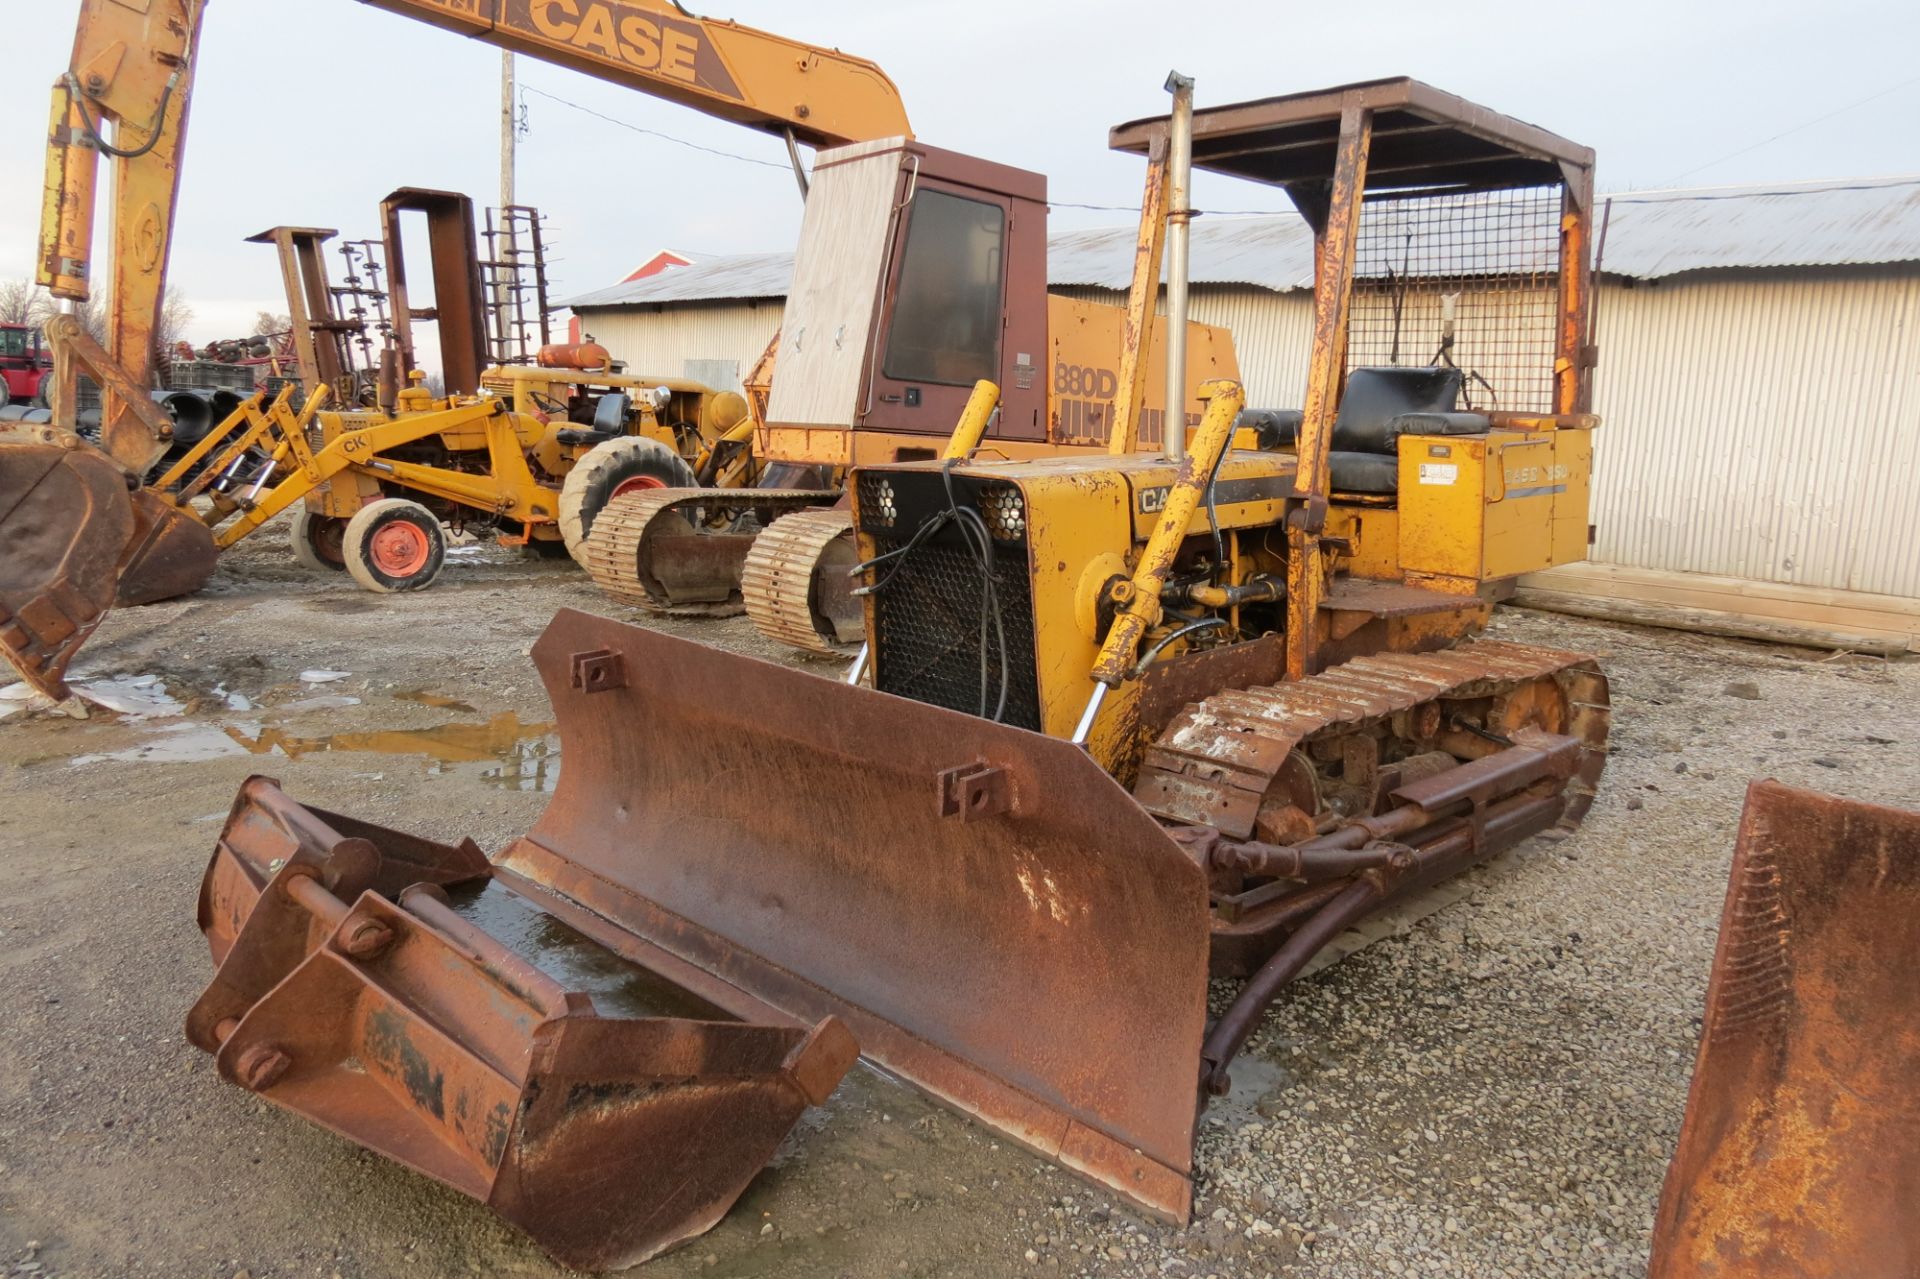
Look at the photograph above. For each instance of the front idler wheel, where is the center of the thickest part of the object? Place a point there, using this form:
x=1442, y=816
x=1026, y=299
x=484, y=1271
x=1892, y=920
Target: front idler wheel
x=319, y=541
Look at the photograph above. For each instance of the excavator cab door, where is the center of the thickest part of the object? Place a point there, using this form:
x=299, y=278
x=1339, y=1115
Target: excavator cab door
x=965, y=299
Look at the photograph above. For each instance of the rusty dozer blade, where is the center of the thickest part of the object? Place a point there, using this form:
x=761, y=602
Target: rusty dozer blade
x=1800, y=1152
x=397, y=992
x=74, y=542
x=992, y=915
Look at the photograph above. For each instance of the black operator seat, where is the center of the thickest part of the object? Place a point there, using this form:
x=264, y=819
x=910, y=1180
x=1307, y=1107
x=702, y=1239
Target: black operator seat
x=1380, y=405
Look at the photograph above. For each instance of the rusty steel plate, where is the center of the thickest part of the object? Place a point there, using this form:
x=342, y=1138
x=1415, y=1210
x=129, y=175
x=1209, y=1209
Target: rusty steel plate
x=73, y=542
x=65, y=521
x=1800, y=1154
x=474, y=1038
x=991, y=914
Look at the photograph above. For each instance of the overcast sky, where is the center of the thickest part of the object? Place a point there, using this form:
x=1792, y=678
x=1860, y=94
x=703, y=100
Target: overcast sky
x=310, y=111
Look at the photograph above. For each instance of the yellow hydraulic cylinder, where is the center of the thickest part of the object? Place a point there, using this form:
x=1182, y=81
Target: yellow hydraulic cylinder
x=66, y=213
x=973, y=422
x=1138, y=600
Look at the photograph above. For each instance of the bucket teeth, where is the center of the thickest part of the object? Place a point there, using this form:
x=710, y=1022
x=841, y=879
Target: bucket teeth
x=354, y=991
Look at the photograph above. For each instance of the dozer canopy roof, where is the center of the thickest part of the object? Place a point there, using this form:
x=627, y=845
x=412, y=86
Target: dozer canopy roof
x=1422, y=139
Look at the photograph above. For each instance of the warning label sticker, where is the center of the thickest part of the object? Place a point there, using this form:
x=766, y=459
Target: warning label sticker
x=1439, y=472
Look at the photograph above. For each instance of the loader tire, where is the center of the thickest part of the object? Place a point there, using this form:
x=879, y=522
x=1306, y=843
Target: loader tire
x=319, y=541
x=610, y=469
x=394, y=545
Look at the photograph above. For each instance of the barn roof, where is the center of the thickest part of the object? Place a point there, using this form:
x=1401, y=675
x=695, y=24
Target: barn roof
x=1650, y=235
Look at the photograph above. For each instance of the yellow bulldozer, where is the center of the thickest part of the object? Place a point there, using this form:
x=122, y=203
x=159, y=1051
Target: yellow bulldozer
x=1137, y=718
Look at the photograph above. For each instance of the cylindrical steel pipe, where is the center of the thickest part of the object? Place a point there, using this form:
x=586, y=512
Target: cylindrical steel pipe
x=1450, y=853
x=191, y=411
x=1173, y=435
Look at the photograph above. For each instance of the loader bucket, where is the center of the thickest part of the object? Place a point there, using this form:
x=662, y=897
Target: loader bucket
x=1800, y=1152
x=994, y=917
x=73, y=542
x=390, y=989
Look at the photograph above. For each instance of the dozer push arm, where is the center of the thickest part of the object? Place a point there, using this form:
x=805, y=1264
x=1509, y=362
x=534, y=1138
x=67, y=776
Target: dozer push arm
x=821, y=97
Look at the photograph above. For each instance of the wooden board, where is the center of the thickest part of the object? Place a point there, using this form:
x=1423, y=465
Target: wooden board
x=1821, y=617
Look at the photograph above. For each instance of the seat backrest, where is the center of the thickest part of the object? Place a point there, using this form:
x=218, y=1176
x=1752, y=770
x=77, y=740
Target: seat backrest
x=1375, y=396
x=610, y=415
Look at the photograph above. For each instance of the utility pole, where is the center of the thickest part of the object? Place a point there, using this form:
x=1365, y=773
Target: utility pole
x=508, y=126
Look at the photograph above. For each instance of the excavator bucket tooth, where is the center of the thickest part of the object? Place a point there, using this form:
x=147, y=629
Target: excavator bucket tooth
x=989, y=912
x=399, y=993
x=73, y=542
x=1800, y=1152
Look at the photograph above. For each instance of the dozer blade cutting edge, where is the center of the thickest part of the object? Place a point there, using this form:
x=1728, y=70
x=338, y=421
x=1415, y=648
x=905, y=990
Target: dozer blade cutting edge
x=397, y=992
x=1800, y=1153
x=74, y=541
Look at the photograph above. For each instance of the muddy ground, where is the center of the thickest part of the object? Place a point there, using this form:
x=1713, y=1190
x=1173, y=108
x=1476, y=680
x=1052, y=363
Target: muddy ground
x=1495, y=1092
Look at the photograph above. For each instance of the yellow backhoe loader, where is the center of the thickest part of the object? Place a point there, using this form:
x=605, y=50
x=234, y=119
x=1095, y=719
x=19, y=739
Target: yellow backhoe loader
x=78, y=530
x=560, y=436
x=1137, y=718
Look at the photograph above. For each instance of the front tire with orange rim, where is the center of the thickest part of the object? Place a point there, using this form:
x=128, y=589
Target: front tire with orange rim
x=394, y=545
x=614, y=468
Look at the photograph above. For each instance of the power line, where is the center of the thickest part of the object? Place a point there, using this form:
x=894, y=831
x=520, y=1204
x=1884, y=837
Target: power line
x=1799, y=127
x=769, y=164
x=1748, y=193
x=654, y=133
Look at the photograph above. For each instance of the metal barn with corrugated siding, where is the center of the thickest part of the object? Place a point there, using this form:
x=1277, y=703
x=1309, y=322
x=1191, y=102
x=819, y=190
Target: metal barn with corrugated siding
x=1759, y=384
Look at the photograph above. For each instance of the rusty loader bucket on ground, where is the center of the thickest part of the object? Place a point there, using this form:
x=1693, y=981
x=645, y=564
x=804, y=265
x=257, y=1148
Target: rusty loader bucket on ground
x=1800, y=1154
x=76, y=539
x=399, y=993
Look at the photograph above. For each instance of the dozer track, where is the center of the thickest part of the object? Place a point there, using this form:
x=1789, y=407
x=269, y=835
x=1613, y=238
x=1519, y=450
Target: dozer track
x=1294, y=762
x=1227, y=760
x=677, y=552
x=796, y=584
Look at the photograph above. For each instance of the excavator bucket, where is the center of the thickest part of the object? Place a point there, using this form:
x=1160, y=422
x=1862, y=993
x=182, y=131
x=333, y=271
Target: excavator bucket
x=74, y=542
x=993, y=916
x=1800, y=1152
x=400, y=993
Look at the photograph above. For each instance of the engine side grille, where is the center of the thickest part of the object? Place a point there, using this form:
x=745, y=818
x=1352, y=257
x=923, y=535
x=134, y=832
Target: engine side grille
x=927, y=618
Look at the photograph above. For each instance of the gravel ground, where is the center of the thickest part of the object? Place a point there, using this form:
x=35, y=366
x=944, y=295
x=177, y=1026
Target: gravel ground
x=1494, y=1092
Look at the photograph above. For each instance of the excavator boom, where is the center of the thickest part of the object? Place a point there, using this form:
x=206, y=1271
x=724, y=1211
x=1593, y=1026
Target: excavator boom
x=822, y=97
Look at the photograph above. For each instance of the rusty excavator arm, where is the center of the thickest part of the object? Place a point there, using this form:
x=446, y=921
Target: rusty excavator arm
x=786, y=87
x=72, y=541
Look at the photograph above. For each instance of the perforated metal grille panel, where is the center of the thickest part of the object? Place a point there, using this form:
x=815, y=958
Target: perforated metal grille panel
x=928, y=617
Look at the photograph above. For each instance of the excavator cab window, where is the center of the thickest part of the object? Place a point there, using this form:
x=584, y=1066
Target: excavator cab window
x=946, y=316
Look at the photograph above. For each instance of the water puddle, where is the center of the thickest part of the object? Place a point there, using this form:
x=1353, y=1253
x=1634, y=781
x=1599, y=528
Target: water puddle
x=619, y=987
x=513, y=753
x=135, y=696
x=438, y=700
